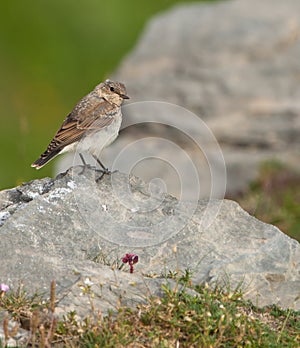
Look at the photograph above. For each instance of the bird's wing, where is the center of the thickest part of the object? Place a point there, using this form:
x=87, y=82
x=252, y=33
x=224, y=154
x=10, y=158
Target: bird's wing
x=78, y=122
x=90, y=114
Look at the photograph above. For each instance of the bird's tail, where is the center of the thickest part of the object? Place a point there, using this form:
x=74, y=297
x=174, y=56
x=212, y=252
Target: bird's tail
x=45, y=158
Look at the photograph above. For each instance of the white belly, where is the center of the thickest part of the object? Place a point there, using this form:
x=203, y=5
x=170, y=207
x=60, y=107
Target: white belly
x=96, y=141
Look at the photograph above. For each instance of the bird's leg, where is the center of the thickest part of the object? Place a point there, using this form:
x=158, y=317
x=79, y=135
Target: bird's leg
x=104, y=169
x=85, y=165
x=82, y=160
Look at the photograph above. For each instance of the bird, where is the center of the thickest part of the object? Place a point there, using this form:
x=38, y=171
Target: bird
x=92, y=125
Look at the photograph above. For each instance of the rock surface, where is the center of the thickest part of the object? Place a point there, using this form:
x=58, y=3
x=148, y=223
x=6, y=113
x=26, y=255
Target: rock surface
x=76, y=231
x=235, y=64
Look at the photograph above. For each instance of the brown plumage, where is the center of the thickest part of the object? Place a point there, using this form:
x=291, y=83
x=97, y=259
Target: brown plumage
x=98, y=111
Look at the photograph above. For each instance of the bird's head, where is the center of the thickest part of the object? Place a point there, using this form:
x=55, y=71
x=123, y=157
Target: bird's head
x=113, y=92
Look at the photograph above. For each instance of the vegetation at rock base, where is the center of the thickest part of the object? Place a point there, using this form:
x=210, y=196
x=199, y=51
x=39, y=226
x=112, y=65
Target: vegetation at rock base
x=275, y=198
x=186, y=316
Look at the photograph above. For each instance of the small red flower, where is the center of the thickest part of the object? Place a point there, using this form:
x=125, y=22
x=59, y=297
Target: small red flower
x=131, y=259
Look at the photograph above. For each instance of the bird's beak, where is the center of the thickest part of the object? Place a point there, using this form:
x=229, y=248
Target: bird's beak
x=124, y=96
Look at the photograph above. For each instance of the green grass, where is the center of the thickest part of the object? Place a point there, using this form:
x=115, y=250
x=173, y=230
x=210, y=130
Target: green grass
x=275, y=198
x=205, y=318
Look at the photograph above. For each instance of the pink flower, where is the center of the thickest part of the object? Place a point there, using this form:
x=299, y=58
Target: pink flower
x=3, y=289
x=131, y=259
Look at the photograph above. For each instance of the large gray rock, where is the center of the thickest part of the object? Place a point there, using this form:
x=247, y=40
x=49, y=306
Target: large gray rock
x=235, y=64
x=75, y=230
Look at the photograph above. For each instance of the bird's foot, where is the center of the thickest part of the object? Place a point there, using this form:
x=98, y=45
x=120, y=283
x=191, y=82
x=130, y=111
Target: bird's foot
x=84, y=167
x=103, y=172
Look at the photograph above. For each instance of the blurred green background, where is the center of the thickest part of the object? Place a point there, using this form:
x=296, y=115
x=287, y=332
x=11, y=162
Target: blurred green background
x=52, y=53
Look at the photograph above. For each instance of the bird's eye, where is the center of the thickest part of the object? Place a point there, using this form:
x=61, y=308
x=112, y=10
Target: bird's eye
x=112, y=89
